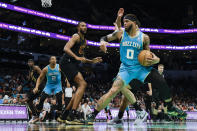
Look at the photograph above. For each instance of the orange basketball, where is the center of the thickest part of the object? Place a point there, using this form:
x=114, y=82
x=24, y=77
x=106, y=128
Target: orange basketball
x=143, y=55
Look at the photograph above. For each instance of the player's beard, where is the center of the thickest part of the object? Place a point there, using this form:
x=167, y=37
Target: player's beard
x=129, y=28
x=83, y=32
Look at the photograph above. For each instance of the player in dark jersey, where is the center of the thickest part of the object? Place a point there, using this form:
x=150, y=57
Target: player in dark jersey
x=69, y=64
x=34, y=72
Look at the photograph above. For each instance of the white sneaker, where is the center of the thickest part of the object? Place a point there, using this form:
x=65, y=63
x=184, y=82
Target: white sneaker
x=34, y=119
x=115, y=121
x=140, y=117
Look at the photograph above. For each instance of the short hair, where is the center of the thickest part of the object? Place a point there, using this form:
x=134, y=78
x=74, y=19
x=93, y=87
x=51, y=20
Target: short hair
x=30, y=60
x=160, y=65
x=52, y=56
x=80, y=23
x=134, y=18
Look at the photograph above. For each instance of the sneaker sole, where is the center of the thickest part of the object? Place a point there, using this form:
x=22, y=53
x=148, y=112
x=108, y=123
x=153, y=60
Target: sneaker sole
x=34, y=121
x=60, y=120
x=145, y=116
x=73, y=123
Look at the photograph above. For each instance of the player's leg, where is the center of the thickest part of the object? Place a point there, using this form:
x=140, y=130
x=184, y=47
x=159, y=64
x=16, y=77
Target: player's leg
x=29, y=99
x=110, y=114
x=124, y=103
x=66, y=111
x=81, y=86
x=73, y=75
x=40, y=106
x=105, y=99
x=35, y=115
x=159, y=83
x=46, y=92
x=58, y=95
x=42, y=99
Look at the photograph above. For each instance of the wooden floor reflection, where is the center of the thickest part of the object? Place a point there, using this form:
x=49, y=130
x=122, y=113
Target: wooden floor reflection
x=98, y=126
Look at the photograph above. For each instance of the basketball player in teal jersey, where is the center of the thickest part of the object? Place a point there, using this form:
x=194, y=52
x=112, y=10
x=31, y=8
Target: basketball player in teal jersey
x=132, y=42
x=53, y=85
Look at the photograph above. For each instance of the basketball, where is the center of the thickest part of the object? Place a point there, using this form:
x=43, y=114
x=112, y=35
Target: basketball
x=142, y=57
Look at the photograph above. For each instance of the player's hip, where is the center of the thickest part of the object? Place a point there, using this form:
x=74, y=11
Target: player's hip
x=134, y=68
x=52, y=86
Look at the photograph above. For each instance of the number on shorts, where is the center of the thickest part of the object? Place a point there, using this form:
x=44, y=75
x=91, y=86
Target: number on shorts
x=130, y=54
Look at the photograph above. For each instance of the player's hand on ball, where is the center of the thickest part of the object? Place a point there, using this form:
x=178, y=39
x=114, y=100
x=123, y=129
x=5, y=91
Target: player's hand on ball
x=97, y=60
x=152, y=60
x=103, y=46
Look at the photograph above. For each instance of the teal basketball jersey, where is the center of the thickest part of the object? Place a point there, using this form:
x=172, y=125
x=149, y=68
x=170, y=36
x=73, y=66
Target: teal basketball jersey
x=130, y=47
x=53, y=76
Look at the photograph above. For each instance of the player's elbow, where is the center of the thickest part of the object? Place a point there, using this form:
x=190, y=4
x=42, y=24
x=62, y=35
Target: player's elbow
x=65, y=49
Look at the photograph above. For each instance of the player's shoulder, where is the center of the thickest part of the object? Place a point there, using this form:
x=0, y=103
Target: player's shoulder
x=36, y=67
x=76, y=36
x=45, y=68
x=145, y=35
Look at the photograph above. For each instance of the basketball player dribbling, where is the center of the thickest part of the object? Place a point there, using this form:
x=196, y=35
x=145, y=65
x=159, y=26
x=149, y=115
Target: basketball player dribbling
x=132, y=42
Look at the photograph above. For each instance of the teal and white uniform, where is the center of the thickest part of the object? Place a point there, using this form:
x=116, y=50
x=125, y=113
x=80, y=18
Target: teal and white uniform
x=53, y=84
x=130, y=68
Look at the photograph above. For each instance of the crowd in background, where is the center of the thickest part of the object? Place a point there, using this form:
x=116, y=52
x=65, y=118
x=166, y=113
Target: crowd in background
x=13, y=89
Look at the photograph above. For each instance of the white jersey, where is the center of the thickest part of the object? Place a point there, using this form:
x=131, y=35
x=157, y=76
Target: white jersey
x=68, y=92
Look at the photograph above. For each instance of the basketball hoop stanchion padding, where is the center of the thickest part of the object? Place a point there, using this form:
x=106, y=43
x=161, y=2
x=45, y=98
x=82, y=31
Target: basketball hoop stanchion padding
x=13, y=112
x=46, y=3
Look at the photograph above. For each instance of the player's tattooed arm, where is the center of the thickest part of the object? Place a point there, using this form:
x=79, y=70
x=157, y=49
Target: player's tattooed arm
x=154, y=59
x=116, y=35
x=113, y=36
x=146, y=42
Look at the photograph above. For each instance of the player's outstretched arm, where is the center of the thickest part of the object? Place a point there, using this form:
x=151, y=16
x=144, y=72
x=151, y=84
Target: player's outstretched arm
x=118, y=25
x=116, y=35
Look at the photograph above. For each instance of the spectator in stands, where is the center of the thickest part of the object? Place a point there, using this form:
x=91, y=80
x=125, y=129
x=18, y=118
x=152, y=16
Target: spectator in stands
x=86, y=109
x=45, y=111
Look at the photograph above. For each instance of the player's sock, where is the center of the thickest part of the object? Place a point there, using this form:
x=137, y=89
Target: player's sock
x=120, y=114
x=137, y=107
